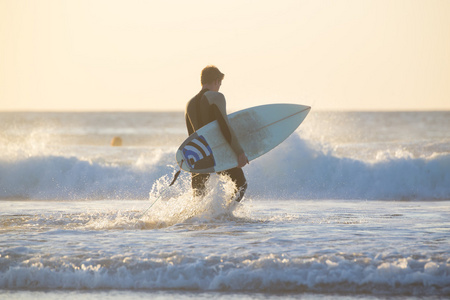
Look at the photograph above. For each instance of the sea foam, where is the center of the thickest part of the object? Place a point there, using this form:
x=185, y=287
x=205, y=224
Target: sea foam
x=297, y=169
x=256, y=273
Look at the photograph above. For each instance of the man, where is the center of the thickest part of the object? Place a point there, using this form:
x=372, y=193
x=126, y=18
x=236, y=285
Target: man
x=209, y=105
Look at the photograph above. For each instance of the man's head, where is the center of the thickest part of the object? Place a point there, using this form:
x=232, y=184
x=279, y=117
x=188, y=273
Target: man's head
x=212, y=78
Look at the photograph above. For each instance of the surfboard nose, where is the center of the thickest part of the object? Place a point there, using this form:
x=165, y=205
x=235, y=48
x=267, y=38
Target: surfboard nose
x=303, y=108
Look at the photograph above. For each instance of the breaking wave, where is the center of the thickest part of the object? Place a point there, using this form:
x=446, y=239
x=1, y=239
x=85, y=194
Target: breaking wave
x=297, y=169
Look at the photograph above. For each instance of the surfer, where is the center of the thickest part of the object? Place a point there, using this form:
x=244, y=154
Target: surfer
x=205, y=107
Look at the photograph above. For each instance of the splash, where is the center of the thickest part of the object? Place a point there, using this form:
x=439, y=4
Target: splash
x=178, y=205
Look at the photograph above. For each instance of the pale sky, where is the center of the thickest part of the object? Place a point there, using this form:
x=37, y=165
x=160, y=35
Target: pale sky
x=105, y=55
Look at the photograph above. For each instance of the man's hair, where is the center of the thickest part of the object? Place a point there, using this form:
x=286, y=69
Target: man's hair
x=210, y=74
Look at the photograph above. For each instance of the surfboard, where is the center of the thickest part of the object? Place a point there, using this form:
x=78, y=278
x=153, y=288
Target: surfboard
x=259, y=129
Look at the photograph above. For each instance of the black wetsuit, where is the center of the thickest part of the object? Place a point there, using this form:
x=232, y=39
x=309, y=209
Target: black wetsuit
x=200, y=112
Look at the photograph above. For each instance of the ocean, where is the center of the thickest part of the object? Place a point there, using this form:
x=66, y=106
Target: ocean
x=353, y=205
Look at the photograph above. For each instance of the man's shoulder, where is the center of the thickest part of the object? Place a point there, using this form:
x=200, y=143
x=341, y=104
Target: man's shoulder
x=213, y=94
x=215, y=97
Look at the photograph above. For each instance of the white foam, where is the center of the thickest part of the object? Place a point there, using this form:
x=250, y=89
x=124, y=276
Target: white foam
x=296, y=169
x=264, y=273
x=299, y=169
x=59, y=177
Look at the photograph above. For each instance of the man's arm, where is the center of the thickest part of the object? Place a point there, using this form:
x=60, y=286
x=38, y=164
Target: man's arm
x=217, y=100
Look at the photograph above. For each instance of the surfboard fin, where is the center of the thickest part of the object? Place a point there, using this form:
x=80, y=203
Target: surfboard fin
x=176, y=174
x=175, y=177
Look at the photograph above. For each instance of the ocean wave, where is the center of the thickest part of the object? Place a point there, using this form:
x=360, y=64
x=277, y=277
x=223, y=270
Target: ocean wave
x=302, y=170
x=297, y=169
x=269, y=273
x=66, y=178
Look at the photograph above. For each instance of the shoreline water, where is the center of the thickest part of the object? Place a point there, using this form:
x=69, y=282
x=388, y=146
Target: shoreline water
x=183, y=295
x=328, y=248
x=352, y=205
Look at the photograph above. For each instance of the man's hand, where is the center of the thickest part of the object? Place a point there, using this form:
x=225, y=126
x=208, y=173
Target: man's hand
x=242, y=160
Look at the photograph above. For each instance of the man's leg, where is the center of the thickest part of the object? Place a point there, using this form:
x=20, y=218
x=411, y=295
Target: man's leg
x=199, y=184
x=237, y=176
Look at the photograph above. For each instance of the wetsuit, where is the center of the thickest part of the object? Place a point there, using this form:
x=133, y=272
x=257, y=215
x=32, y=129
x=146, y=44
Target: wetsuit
x=202, y=109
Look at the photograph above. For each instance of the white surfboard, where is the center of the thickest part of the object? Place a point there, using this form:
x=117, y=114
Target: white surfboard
x=258, y=129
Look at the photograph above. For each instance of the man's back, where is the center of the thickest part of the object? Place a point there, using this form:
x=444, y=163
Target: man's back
x=198, y=112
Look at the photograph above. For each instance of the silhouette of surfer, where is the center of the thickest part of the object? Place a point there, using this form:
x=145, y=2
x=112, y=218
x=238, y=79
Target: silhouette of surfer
x=205, y=107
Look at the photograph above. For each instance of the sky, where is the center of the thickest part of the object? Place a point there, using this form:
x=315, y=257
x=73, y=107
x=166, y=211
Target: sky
x=135, y=55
